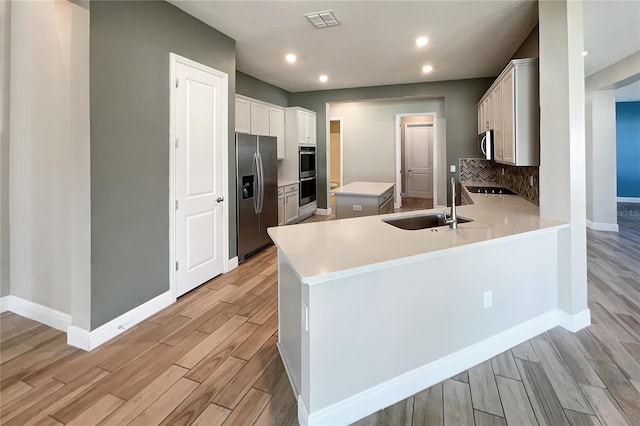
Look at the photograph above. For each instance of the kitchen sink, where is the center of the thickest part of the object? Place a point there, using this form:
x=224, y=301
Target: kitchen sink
x=424, y=221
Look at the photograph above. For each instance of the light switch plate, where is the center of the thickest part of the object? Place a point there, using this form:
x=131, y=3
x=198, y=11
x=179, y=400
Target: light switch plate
x=452, y=168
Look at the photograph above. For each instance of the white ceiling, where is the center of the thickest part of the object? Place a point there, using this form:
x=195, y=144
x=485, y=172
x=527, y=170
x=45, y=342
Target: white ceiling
x=629, y=93
x=375, y=43
x=611, y=32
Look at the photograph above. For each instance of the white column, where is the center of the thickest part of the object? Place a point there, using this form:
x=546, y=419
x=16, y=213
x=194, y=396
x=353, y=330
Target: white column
x=601, y=163
x=562, y=143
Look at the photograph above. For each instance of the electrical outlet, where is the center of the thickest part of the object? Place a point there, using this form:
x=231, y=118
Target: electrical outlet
x=357, y=208
x=530, y=180
x=502, y=171
x=488, y=299
x=452, y=168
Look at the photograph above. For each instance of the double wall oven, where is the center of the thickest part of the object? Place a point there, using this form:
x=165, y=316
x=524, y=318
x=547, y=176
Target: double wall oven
x=307, y=163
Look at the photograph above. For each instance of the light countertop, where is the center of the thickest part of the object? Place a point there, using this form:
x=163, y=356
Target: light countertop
x=363, y=188
x=285, y=182
x=324, y=250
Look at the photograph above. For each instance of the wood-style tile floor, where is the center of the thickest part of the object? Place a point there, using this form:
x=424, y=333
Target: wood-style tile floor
x=210, y=359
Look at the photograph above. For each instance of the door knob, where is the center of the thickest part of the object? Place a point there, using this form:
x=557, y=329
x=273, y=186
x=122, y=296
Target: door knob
x=220, y=199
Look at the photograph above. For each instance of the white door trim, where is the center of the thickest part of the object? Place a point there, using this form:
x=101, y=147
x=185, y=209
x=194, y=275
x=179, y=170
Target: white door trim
x=436, y=166
x=174, y=60
x=341, y=149
x=433, y=160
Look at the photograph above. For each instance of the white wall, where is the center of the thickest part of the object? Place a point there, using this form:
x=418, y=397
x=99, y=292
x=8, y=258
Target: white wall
x=49, y=157
x=5, y=40
x=601, y=139
x=369, y=151
x=562, y=143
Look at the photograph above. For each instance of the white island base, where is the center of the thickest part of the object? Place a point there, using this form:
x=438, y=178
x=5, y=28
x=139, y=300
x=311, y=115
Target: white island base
x=367, y=338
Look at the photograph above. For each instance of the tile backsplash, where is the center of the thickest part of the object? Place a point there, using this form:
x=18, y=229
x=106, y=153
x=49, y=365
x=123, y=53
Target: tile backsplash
x=477, y=170
x=515, y=178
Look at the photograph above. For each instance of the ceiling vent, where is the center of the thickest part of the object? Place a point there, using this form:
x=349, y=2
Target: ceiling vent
x=323, y=19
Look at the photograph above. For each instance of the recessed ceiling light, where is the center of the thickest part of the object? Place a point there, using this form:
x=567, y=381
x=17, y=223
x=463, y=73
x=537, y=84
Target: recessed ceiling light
x=427, y=68
x=291, y=58
x=585, y=52
x=422, y=41
x=323, y=78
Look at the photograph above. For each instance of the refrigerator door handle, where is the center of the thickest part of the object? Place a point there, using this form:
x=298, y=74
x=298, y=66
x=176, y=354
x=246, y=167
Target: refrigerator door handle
x=255, y=182
x=261, y=174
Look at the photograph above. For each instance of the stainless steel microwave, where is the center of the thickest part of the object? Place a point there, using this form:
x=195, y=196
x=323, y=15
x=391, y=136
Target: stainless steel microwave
x=486, y=145
x=307, y=161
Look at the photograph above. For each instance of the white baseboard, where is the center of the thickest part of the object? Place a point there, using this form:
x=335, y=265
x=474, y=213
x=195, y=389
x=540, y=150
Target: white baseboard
x=599, y=226
x=231, y=264
x=574, y=322
x=388, y=393
x=79, y=338
x=34, y=311
x=628, y=200
x=4, y=304
x=303, y=412
x=88, y=341
x=323, y=212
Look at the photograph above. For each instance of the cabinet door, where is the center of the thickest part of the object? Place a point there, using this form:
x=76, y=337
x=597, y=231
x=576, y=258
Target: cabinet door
x=290, y=206
x=243, y=116
x=489, y=111
x=479, y=118
x=311, y=128
x=302, y=127
x=508, y=118
x=497, y=123
x=276, y=128
x=281, y=215
x=259, y=119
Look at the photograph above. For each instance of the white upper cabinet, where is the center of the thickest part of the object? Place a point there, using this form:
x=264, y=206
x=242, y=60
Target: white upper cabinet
x=243, y=115
x=259, y=119
x=276, y=128
x=311, y=128
x=514, y=115
x=305, y=126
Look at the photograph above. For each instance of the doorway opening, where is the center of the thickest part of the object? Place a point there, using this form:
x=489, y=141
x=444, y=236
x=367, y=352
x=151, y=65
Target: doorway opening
x=335, y=161
x=416, y=173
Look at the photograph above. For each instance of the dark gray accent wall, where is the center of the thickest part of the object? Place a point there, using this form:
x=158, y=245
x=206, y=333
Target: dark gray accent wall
x=129, y=66
x=461, y=97
x=258, y=89
x=529, y=47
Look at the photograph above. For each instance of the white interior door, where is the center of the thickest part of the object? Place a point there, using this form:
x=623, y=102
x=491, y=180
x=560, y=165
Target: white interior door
x=419, y=160
x=199, y=188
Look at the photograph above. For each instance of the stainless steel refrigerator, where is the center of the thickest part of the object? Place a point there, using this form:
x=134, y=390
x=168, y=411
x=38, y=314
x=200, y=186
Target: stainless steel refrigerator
x=257, y=191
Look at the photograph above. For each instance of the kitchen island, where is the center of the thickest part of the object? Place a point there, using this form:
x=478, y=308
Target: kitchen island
x=358, y=199
x=370, y=314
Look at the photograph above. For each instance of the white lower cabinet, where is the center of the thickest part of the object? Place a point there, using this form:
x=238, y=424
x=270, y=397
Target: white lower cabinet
x=287, y=203
x=281, y=206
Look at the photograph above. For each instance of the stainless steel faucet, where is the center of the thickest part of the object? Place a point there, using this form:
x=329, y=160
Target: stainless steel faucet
x=453, y=220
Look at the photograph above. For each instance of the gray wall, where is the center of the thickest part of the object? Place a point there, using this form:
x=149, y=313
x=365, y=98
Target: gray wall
x=461, y=97
x=258, y=89
x=529, y=47
x=130, y=46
